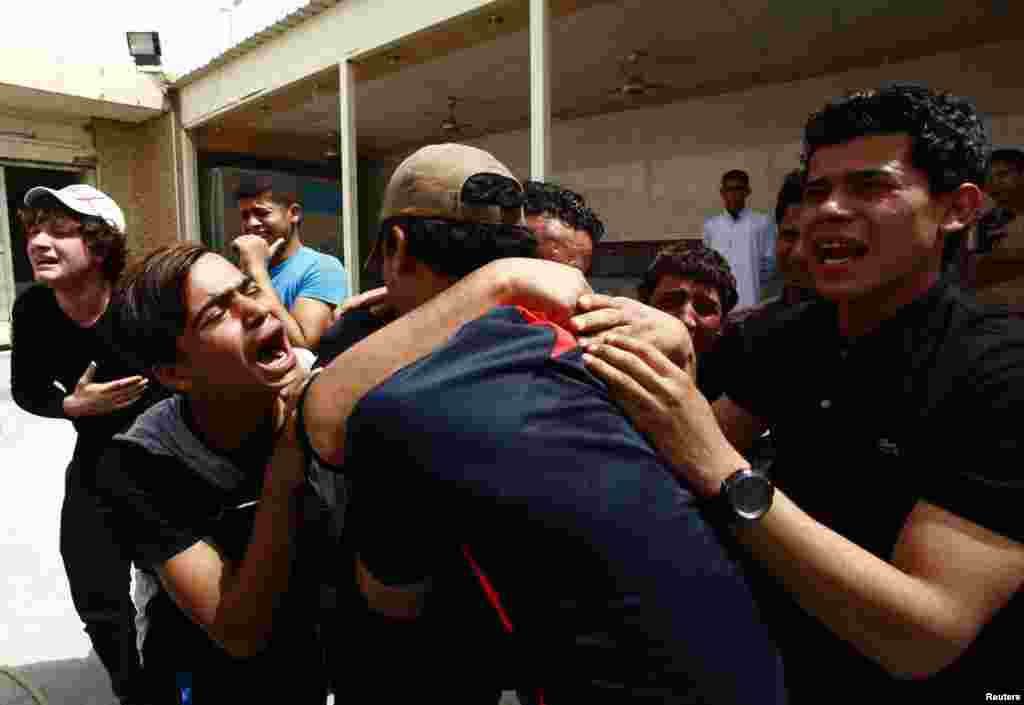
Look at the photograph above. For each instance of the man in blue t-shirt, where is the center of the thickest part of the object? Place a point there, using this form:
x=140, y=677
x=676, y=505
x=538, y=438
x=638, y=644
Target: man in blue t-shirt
x=308, y=284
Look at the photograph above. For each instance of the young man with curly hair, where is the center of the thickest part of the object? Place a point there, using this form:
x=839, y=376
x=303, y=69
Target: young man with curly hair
x=694, y=283
x=68, y=362
x=892, y=540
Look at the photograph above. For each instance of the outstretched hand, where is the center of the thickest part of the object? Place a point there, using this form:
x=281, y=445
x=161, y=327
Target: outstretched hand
x=95, y=399
x=664, y=403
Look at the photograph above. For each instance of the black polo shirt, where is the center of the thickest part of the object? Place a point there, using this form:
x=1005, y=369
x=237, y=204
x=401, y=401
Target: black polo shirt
x=927, y=407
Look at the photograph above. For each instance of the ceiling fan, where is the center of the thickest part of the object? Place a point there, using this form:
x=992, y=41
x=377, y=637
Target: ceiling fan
x=451, y=127
x=334, y=150
x=634, y=79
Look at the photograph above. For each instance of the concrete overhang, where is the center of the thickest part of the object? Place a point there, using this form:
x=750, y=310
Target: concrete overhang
x=315, y=38
x=41, y=83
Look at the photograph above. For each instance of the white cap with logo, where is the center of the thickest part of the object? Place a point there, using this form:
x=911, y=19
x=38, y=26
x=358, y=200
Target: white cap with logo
x=83, y=199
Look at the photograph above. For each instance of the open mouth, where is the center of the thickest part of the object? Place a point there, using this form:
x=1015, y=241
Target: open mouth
x=838, y=252
x=274, y=351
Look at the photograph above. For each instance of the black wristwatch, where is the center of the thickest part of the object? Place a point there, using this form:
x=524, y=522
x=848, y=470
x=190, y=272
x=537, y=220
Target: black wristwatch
x=745, y=496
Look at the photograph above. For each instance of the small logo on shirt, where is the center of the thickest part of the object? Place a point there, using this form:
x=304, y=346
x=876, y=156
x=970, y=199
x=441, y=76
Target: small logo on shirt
x=887, y=447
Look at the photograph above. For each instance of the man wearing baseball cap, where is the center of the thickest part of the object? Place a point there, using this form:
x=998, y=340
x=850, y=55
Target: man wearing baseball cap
x=67, y=364
x=496, y=455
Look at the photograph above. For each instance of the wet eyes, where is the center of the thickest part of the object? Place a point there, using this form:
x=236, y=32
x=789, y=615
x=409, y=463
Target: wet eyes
x=54, y=229
x=212, y=316
x=863, y=188
x=869, y=186
x=815, y=194
x=702, y=306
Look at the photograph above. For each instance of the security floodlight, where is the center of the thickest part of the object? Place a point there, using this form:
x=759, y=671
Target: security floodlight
x=144, y=48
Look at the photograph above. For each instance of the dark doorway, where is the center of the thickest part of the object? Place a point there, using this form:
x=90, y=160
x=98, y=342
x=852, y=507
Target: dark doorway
x=19, y=181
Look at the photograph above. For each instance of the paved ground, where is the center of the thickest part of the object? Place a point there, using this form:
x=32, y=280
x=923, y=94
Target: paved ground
x=40, y=633
x=39, y=630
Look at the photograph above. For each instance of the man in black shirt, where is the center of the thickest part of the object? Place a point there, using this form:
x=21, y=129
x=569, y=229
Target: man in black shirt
x=895, y=534
x=210, y=494
x=69, y=363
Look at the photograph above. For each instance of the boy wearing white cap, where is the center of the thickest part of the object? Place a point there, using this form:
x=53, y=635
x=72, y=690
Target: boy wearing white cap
x=67, y=364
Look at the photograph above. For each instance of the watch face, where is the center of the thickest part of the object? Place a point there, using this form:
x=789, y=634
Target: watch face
x=751, y=496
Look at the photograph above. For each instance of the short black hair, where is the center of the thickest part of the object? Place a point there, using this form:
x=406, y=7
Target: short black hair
x=736, y=175
x=256, y=185
x=455, y=248
x=543, y=198
x=696, y=261
x=949, y=140
x=1010, y=155
x=791, y=194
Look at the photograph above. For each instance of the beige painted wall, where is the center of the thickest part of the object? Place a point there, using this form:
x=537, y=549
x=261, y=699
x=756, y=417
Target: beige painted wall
x=51, y=79
x=136, y=167
x=654, y=173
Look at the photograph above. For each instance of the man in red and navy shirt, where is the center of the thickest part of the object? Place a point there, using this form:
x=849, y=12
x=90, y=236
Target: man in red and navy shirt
x=499, y=456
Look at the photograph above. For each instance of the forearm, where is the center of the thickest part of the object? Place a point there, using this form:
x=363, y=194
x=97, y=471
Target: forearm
x=359, y=369
x=244, y=617
x=740, y=427
x=296, y=336
x=909, y=627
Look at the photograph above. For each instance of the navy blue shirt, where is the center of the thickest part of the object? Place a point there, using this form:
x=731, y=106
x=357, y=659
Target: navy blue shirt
x=501, y=447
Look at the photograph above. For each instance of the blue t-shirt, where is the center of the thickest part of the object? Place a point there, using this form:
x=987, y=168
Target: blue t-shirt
x=312, y=275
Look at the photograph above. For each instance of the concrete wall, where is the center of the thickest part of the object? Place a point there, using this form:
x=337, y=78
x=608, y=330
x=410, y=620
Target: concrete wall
x=40, y=138
x=654, y=173
x=136, y=167
x=71, y=84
